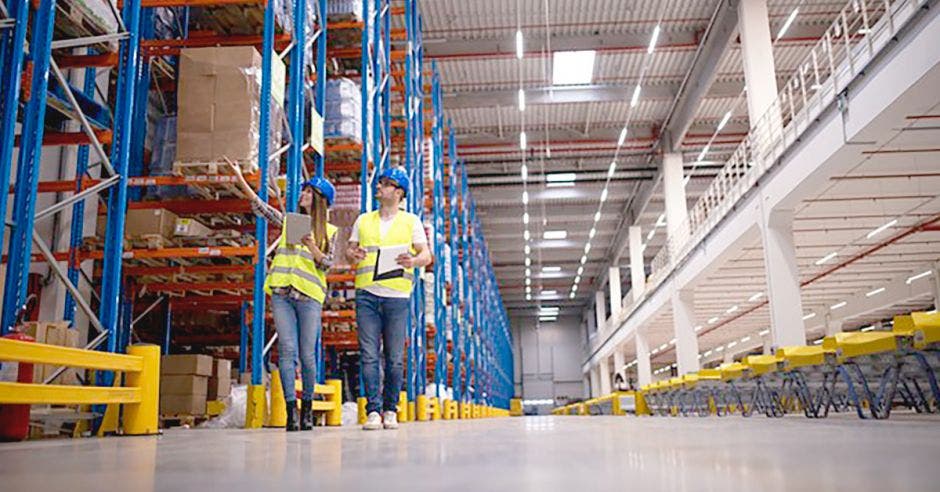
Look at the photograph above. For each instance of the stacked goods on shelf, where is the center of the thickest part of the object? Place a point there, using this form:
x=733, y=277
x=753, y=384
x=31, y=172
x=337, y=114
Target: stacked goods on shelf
x=53, y=333
x=246, y=18
x=344, y=10
x=184, y=384
x=343, y=110
x=219, y=109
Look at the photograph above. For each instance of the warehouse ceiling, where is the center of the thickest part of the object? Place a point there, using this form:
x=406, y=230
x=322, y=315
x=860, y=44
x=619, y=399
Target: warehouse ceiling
x=690, y=81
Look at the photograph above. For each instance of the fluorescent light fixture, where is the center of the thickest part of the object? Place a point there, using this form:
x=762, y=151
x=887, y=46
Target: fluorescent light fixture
x=826, y=258
x=611, y=169
x=528, y=261
x=525, y=197
x=661, y=221
x=577, y=280
x=571, y=295
x=663, y=347
x=809, y=316
x=548, y=293
x=587, y=248
x=755, y=297
x=519, y=44
x=597, y=216
x=636, y=96
x=528, y=250
x=707, y=353
x=701, y=155
x=549, y=309
x=560, y=179
x=763, y=333
x=881, y=229
x=672, y=342
x=528, y=288
x=574, y=288
x=528, y=272
x=524, y=172
x=917, y=277
x=719, y=348
x=698, y=328
x=746, y=339
x=863, y=31
x=573, y=67
x=838, y=305
x=789, y=21
x=650, y=235
x=622, y=138
x=528, y=282
x=868, y=328
x=593, y=231
x=653, y=40
x=731, y=309
x=875, y=292
x=528, y=297
x=584, y=259
x=580, y=270
x=604, y=195
x=548, y=319
x=731, y=344
x=521, y=100
x=555, y=234
x=526, y=235
x=523, y=143
x=713, y=320
x=525, y=217
x=551, y=269
x=724, y=120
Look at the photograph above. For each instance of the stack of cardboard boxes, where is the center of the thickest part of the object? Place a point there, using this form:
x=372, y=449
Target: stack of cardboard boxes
x=53, y=333
x=187, y=381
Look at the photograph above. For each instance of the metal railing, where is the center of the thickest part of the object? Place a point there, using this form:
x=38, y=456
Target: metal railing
x=856, y=35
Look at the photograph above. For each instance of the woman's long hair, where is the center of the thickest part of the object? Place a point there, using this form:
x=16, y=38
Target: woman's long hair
x=318, y=212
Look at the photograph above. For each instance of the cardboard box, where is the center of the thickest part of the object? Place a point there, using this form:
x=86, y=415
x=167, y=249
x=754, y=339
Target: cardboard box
x=150, y=222
x=219, y=388
x=182, y=404
x=190, y=228
x=53, y=333
x=218, y=101
x=184, y=384
x=222, y=368
x=193, y=364
x=244, y=378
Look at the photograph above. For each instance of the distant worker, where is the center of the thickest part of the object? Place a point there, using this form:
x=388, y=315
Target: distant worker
x=383, y=290
x=296, y=282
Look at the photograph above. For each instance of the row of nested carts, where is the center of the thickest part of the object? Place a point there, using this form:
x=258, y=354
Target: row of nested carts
x=142, y=102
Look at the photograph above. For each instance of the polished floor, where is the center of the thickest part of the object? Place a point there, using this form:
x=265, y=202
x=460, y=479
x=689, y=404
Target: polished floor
x=519, y=454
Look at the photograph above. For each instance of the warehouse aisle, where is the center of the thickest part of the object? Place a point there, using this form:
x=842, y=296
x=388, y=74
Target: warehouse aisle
x=533, y=453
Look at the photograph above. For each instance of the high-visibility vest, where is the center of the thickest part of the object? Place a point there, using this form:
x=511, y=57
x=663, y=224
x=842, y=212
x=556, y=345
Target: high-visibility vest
x=370, y=239
x=294, y=266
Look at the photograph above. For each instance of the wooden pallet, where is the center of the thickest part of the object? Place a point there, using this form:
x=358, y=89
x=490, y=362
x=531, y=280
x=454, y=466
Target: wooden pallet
x=202, y=168
x=167, y=421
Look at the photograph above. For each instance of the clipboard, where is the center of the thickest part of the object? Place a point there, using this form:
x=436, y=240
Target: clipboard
x=385, y=265
x=298, y=226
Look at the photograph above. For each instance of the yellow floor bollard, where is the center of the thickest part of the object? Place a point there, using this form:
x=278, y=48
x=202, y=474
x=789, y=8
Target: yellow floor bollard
x=254, y=413
x=142, y=418
x=445, y=409
x=403, y=407
x=361, y=403
x=277, y=414
x=435, y=409
x=412, y=414
x=334, y=417
x=421, y=408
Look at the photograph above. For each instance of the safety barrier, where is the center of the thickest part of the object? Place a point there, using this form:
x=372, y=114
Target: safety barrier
x=868, y=373
x=330, y=405
x=139, y=394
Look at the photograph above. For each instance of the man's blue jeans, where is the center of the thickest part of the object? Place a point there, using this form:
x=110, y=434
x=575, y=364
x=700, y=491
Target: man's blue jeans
x=298, y=325
x=381, y=323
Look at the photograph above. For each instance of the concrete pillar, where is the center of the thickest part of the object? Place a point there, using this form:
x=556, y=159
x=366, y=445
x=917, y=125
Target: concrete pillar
x=768, y=345
x=600, y=310
x=677, y=213
x=604, y=368
x=936, y=285
x=783, y=279
x=595, y=382
x=758, y=56
x=591, y=323
x=637, y=268
x=644, y=372
x=729, y=357
x=833, y=325
x=619, y=362
x=683, y=320
x=616, y=299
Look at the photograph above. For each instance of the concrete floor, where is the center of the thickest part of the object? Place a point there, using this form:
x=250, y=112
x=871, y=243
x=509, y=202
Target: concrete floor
x=532, y=453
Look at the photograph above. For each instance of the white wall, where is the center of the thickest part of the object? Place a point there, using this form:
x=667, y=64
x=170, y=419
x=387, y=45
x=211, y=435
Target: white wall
x=548, y=359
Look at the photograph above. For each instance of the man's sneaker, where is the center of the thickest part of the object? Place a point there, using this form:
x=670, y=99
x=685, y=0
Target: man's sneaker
x=390, y=420
x=373, y=422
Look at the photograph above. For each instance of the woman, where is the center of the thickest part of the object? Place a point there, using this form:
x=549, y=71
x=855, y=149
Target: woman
x=296, y=282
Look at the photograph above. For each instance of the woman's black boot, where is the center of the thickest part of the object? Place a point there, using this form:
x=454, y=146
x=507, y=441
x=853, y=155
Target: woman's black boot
x=293, y=419
x=306, y=415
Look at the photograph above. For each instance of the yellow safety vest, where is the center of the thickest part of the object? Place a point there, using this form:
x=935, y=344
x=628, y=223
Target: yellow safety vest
x=370, y=239
x=294, y=266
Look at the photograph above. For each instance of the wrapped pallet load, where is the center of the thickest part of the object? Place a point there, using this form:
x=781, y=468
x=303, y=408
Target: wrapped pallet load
x=220, y=108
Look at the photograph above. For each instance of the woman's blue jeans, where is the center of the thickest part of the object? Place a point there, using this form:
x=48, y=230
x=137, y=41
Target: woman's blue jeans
x=298, y=327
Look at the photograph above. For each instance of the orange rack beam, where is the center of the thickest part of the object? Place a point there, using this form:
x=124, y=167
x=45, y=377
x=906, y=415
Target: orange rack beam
x=165, y=47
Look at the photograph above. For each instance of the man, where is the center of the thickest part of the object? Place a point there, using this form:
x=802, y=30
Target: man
x=382, y=304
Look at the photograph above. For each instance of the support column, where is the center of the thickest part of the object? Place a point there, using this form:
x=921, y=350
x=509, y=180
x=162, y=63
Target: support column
x=833, y=325
x=604, y=368
x=758, y=56
x=677, y=213
x=728, y=357
x=616, y=299
x=595, y=382
x=644, y=372
x=619, y=362
x=637, y=268
x=768, y=345
x=586, y=381
x=783, y=279
x=936, y=285
x=683, y=320
x=600, y=310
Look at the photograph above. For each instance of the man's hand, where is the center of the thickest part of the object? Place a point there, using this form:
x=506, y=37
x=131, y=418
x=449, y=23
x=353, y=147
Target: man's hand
x=355, y=253
x=406, y=260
